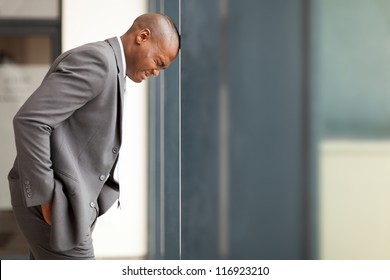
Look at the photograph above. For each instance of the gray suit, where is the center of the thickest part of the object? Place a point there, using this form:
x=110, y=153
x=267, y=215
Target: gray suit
x=68, y=135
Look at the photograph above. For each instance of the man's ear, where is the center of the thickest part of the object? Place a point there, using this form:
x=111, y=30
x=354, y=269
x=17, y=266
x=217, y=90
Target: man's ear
x=143, y=35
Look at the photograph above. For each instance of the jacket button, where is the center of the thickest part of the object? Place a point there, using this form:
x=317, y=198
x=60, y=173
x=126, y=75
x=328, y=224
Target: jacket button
x=102, y=177
x=115, y=150
x=92, y=204
x=29, y=195
x=27, y=182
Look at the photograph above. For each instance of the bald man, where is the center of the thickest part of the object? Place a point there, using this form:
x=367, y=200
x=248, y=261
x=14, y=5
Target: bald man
x=68, y=137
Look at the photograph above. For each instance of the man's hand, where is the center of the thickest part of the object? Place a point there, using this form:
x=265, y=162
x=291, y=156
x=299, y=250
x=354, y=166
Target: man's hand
x=46, y=212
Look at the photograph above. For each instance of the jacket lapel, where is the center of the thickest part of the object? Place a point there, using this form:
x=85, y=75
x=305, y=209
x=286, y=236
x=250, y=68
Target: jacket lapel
x=121, y=78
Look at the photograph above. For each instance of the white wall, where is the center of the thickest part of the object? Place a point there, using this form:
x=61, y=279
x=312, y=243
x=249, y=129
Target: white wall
x=354, y=200
x=118, y=233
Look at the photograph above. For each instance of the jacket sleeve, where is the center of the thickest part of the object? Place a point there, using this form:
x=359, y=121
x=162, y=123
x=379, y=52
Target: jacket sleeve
x=74, y=79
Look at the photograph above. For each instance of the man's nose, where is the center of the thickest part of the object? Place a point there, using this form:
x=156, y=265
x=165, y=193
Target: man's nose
x=155, y=72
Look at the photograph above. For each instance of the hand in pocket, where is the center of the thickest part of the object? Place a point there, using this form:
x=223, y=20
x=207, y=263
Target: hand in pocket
x=47, y=212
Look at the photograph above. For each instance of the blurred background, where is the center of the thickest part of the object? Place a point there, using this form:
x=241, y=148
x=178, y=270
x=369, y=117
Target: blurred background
x=268, y=137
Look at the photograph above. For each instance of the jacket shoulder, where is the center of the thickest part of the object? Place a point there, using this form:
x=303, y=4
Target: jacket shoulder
x=98, y=53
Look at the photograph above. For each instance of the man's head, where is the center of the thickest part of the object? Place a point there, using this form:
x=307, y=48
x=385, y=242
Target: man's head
x=150, y=45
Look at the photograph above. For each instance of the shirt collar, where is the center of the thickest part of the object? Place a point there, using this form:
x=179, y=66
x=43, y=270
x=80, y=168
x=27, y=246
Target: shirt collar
x=123, y=55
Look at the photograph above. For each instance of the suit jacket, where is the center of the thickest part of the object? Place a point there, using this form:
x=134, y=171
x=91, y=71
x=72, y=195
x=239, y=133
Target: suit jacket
x=68, y=136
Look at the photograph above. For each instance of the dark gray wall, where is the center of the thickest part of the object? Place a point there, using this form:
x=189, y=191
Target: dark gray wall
x=267, y=218
x=164, y=153
x=244, y=171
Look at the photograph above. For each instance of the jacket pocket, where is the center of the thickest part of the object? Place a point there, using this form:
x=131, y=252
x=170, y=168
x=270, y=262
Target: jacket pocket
x=68, y=182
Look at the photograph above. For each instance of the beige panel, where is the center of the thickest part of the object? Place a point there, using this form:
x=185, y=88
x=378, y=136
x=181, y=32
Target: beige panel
x=33, y=9
x=354, y=200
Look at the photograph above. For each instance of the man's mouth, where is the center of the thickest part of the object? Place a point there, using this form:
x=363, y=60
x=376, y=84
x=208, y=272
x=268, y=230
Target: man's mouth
x=145, y=75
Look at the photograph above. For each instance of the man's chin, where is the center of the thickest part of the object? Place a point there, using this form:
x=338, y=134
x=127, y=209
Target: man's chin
x=136, y=80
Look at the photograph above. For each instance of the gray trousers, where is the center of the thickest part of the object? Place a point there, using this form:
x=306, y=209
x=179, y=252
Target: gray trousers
x=37, y=233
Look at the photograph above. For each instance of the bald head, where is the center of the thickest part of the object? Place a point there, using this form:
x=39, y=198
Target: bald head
x=161, y=26
x=150, y=45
